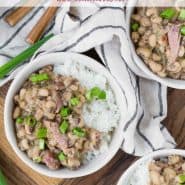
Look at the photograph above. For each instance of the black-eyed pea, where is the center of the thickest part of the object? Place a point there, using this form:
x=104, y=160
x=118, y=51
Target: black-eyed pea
x=144, y=52
x=21, y=133
x=145, y=22
x=155, y=177
x=141, y=43
x=181, y=51
x=169, y=174
x=155, y=67
x=24, y=145
x=156, y=19
x=174, y=67
x=151, y=11
x=17, y=112
x=162, y=73
x=156, y=57
x=152, y=40
x=22, y=94
x=135, y=36
x=136, y=17
x=43, y=92
x=182, y=63
x=141, y=30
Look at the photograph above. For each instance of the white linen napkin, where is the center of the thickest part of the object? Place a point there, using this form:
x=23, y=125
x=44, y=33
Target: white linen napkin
x=79, y=29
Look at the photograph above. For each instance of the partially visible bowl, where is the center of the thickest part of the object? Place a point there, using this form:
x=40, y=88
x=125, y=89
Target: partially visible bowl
x=169, y=82
x=155, y=155
x=57, y=58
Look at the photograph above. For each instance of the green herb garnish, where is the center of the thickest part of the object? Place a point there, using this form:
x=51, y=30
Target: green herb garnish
x=2, y=179
x=64, y=112
x=22, y=57
x=37, y=159
x=74, y=101
x=168, y=13
x=41, y=144
x=41, y=133
x=64, y=127
x=35, y=78
x=135, y=26
x=62, y=156
x=97, y=93
x=182, y=30
x=79, y=132
x=182, y=14
x=30, y=120
x=19, y=120
x=181, y=178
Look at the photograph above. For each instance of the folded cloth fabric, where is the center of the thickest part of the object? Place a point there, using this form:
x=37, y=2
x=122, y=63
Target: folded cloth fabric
x=79, y=29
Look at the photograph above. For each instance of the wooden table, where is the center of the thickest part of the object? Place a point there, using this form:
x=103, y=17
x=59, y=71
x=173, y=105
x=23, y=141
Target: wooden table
x=18, y=173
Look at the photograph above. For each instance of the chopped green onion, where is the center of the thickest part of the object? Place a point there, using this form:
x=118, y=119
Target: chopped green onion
x=97, y=93
x=41, y=144
x=62, y=156
x=135, y=26
x=181, y=178
x=39, y=77
x=37, y=159
x=102, y=95
x=168, y=13
x=88, y=96
x=79, y=132
x=19, y=120
x=182, y=14
x=64, y=112
x=31, y=121
x=22, y=57
x=64, y=127
x=41, y=133
x=74, y=101
x=2, y=179
x=182, y=30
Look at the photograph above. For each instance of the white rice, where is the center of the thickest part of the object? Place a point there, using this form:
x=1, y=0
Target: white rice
x=101, y=115
x=140, y=175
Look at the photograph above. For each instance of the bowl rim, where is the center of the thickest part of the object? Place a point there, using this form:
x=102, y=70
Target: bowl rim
x=169, y=82
x=9, y=128
x=153, y=155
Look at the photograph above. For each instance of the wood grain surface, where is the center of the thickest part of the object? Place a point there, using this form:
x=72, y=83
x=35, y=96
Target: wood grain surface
x=18, y=173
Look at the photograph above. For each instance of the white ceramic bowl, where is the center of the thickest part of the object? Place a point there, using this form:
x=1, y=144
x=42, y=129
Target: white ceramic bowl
x=155, y=155
x=52, y=59
x=178, y=84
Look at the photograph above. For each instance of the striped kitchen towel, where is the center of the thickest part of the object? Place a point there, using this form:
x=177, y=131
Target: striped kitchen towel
x=79, y=29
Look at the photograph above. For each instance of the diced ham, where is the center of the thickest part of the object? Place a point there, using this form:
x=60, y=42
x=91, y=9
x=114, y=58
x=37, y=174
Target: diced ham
x=174, y=42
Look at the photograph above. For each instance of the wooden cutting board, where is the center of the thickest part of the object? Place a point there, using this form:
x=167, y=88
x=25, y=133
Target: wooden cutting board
x=18, y=173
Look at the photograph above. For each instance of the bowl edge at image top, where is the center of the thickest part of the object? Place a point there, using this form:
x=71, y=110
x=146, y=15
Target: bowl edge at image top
x=154, y=155
x=57, y=58
x=169, y=82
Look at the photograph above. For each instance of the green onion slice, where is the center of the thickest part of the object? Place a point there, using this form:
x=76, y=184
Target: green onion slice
x=181, y=178
x=182, y=14
x=64, y=112
x=41, y=133
x=31, y=121
x=182, y=30
x=135, y=26
x=19, y=120
x=37, y=159
x=79, y=132
x=41, y=144
x=39, y=77
x=97, y=93
x=64, y=127
x=74, y=101
x=62, y=156
x=168, y=13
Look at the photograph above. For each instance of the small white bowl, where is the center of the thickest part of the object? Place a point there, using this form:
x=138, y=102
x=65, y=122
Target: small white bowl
x=57, y=58
x=155, y=155
x=169, y=82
